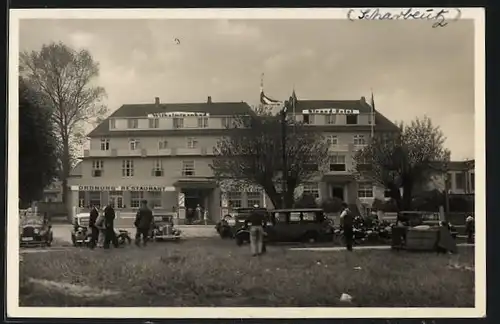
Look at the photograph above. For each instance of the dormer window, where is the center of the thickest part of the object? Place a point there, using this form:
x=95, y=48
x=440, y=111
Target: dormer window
x=154, y=123
x=202, y=122
x=308, y=119
x=352, y=119
x=133, y=123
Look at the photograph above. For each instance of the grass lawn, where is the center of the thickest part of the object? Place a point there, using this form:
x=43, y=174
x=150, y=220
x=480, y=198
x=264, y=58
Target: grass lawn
x=213, y=272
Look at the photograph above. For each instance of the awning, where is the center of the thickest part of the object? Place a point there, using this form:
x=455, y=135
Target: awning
x=338, y=178
x=195, y=184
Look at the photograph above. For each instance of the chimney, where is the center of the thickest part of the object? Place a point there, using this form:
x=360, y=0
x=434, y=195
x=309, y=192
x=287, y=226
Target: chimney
x=209, y=100
x=157, y=100
x=363, y=99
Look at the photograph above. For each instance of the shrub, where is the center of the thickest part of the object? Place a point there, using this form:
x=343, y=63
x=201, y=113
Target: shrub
x=332, y=205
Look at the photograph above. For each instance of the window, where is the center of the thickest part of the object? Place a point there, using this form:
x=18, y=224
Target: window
x=157, y=169
x=116, y=199
x=311, y=189
x=308, y=119
x=134, y=144
x=226, y=122
x=351, y=119
x=155, y=199
x=387, y=193
x=472, y=181
x=127, y=168
x=281, y=218
x=97, y=168
x=112, y=123
x=133, y=123
x=330, y=119
x=94, y=198
x=135, y=198
x=359, y=140
x=459, y=181
x=104, y=144
x=192, y=142
x=332, y=139
x=154, y=123
x=188, y=168
x=365, y=190
x=337, y=163
x=254, y=198
x=162, y=144
x=234, y=199
x=81, y=199
x=202, y=122
x=178, y=122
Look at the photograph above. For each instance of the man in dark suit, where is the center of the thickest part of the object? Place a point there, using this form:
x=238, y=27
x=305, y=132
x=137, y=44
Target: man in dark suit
x=143, y=223
x=347, y=220
x=94, y=214
x=109, y=228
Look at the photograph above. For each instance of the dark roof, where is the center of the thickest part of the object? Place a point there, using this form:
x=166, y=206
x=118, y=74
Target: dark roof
x=142, y=110
x=213, y=108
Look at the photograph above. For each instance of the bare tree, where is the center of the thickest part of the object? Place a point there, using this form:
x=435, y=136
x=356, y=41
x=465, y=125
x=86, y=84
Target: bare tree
x=251, y=155
x=65, y=79
x=406, y=159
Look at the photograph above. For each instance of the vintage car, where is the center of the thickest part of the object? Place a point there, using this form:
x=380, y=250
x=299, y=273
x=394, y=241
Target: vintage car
x=417, y=218
x=164, y=230
x=235, y=220
x=35, y=231
x=294, y=225
x=80, y=232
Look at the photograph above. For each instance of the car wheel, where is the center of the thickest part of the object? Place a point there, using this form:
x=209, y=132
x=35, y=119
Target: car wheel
x=239, y=241
x=311, y=237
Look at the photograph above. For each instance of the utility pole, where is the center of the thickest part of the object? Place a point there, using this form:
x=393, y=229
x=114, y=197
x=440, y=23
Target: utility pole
x=283, y=148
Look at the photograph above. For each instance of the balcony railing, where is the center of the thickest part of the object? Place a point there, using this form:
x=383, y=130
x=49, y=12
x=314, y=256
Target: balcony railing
x=148, y=152
x=339, y=147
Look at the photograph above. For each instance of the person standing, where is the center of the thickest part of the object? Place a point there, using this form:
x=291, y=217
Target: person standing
x=469, y=228
x=346, y=220
x=94, y=214
x=143, y=222
x=198, y=213
x=256, y=222
x=109, y=227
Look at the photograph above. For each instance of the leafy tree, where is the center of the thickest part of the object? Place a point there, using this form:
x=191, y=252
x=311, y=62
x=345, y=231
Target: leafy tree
x=251, y=155
x=306, y=201
x=37, y=146
x=64, y=78
x=406, y=159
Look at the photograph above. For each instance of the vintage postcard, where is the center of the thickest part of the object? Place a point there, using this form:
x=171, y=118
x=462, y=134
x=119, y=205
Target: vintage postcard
x=247, y=163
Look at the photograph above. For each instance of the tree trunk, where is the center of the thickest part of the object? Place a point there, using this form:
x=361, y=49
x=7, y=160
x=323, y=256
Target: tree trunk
x=407, y=195
x=66, y=165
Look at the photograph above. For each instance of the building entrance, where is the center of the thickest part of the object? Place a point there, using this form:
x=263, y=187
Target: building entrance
x=338, y=192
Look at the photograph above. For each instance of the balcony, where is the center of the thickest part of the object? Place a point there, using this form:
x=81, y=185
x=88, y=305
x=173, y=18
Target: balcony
x=339, y=147
x=148, y=152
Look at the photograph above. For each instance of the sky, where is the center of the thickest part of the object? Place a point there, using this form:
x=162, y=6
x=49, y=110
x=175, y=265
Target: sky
x=412, y=68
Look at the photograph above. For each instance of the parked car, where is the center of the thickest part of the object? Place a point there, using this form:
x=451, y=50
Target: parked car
x=235, y=220
x=164, y=229
x=416, y=218
x=80, y=232
x=35, y=231
x=294, y=225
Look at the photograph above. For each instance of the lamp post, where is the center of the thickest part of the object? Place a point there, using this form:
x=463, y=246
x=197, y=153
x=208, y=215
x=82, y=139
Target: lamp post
x=283, y=113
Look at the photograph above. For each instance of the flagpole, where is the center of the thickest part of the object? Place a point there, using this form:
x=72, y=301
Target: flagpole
x=372, y=128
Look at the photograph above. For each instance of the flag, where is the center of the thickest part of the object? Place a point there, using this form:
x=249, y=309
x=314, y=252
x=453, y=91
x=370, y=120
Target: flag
x=265, y=100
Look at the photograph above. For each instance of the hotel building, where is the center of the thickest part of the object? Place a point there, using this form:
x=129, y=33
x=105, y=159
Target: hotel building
x=162, y=152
